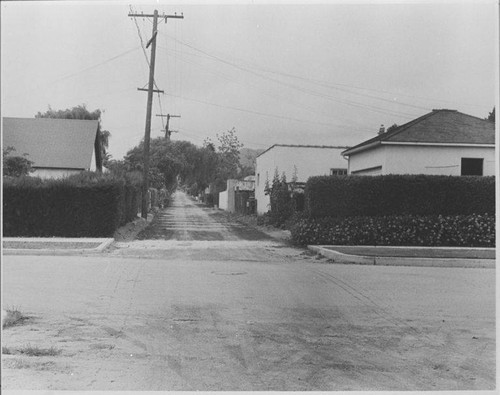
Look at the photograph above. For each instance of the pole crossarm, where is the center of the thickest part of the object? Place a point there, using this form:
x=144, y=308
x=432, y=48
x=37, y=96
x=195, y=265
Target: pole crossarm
x=147, y=90
x=159, y=16
x=168, y=116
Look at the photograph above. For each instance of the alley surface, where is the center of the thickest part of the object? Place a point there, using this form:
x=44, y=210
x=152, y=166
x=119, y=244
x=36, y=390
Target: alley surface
x=200, y=302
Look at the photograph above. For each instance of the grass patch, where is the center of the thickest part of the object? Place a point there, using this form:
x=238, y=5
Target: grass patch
x=34, y=351
x=6, y=350
x=24, y=364
x=12, y=317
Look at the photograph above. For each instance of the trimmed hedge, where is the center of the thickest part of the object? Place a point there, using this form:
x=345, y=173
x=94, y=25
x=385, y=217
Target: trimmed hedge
x=85, y=205
x=408, y=230
x=352, y=196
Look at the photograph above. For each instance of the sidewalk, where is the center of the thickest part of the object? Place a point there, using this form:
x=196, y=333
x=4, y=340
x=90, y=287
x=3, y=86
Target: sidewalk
x=53, y=245
x=409, y=256
x=71, y=245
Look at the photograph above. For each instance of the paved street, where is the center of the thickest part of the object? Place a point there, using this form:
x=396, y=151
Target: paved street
x=202, y=303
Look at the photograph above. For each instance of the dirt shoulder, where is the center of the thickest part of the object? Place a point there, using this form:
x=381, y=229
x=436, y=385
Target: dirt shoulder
x=129, y=231
x=251, y=221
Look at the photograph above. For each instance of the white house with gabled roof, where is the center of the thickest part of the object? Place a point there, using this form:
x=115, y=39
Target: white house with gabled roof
x=301, y=161
x=57, y=147
x=442, y=142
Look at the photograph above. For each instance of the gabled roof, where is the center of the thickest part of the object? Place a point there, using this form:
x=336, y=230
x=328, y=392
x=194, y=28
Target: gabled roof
x=301, y=146
x=437, y=127
x=52, y=143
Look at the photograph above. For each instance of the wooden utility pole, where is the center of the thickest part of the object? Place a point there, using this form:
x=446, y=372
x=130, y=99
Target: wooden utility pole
x=168, y=132
x=147, y=133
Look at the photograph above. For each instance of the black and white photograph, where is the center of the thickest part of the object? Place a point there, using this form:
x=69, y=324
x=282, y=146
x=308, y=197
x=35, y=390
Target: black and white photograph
x=249, y=196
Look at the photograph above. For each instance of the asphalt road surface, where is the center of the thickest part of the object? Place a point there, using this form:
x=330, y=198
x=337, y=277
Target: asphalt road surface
x=203, y=303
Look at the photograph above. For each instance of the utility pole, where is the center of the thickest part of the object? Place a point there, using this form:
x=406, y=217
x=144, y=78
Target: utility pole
x=147, y=133
x=168, y=132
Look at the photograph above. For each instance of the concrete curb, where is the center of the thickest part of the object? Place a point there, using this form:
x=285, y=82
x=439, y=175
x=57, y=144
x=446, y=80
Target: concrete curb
x=339, y=257
x=104, y=243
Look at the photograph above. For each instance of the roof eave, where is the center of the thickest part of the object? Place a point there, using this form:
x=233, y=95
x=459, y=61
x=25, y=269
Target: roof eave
x=355, y=150
x=437, y=144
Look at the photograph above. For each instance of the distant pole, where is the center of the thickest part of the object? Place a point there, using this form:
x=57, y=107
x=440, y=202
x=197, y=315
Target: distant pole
x=147, y=133
x=168, y=132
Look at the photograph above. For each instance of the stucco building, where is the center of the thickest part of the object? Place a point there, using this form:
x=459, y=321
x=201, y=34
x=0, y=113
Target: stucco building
x=301, y=161
x=442, y=142
x=228, y=199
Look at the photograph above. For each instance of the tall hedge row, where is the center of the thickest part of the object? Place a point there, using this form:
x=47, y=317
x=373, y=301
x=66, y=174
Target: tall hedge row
x=87, y=205
x=357, y=196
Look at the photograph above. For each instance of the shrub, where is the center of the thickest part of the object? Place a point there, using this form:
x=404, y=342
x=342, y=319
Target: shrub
x=400, y=230
x=84, y=205
x=351, y=196
x=281, y=202
x=264, y=219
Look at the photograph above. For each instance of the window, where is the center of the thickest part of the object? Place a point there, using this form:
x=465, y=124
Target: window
x=338, y=172
x=472, y=167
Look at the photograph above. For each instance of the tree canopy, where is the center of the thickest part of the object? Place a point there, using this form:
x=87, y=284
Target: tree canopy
x=173, y=162
x=491, y=116
x=392, y=127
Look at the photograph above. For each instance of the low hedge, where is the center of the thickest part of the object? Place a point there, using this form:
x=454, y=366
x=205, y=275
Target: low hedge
x=86, y=205
x=352, y=196
x=403, y=230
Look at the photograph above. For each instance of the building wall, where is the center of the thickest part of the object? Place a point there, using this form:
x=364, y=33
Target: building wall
x=54, y=173
x=364, y=161
x=399, y=159
x=223, y=200
x=226, y=198
x=309, y=161
x=92, y=163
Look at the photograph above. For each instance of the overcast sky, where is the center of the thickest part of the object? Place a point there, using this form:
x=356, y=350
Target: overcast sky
x=326, y=74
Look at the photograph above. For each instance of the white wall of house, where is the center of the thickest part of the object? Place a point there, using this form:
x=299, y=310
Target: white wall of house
x=223, y=200
x=226, y=198
x=309, y=161
x=367, y=162
x=419, y=159
x=92, y=163
x=47, y=173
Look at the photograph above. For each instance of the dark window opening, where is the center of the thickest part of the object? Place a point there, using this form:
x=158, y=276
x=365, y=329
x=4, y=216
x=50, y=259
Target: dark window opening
x=338, y=172
x=472, y=167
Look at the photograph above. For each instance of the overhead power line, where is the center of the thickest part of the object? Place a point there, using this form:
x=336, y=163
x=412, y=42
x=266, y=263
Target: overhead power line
x=258, y=112
x=95, y=65
x=330, y=85
x=302, y=89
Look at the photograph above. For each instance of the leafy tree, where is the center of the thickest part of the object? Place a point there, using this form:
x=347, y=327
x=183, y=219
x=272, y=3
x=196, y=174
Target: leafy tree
x=281, y=203
x=81, y=112
x=175, y=161
x=195, y=168
x=491, y=116
x=391, y=128
x=15, y=166
x=295, y=175
x=228, y=152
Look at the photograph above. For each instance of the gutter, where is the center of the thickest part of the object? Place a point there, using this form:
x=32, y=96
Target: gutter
x=359, y=149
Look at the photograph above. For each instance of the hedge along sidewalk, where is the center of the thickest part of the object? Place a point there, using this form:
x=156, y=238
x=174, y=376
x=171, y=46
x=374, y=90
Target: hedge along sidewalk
x=409, y=256
x=53, y=245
